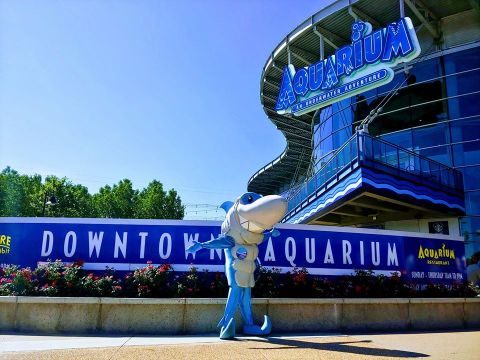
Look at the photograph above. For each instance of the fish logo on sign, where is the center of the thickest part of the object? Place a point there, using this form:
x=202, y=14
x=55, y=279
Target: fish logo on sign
x=364, y=64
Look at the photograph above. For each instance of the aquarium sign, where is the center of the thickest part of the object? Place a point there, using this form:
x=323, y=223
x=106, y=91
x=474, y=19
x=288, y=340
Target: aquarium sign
x=126, y=245
x=363, y=65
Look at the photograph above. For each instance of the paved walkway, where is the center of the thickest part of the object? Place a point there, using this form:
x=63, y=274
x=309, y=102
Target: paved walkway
x=439, y=345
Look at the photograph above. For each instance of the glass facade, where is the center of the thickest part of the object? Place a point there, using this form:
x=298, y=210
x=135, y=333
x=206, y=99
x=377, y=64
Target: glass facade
x=434, y=113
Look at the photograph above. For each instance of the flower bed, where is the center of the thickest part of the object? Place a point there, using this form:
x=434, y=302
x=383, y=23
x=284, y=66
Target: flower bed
x=56, y=279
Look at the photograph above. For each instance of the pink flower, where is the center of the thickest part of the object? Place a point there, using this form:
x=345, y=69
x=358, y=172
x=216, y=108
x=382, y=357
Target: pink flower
x=79, y=263
x=165, y=267
x=27, y=274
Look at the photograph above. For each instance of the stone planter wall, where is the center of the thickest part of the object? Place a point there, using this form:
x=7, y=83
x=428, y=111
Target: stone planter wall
x=196, y=316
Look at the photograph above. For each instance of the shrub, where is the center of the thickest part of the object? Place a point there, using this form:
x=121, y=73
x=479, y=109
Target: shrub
x=268, y=283
x=201, y=284
x=58, y=279
x=106, y=285
x=150, y=281
x=16, y=281
x=365, y=284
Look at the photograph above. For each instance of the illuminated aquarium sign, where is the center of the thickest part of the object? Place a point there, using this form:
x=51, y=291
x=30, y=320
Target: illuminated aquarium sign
x=363, y=65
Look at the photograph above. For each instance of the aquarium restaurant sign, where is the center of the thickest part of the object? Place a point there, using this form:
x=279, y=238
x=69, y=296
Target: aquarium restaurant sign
x=364, y=64
x=126, y=245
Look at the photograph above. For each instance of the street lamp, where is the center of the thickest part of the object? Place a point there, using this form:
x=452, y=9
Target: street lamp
x=48, y=199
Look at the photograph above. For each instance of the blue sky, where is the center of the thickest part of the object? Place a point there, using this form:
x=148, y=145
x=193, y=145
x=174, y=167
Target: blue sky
x=98, y=91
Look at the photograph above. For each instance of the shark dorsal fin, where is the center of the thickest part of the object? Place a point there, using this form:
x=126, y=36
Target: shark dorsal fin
x=227, y=205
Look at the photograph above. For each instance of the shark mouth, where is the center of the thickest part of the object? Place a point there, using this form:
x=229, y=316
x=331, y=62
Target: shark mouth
x=250, y=225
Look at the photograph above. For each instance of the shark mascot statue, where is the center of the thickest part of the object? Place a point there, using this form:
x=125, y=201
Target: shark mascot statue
x=249, y=221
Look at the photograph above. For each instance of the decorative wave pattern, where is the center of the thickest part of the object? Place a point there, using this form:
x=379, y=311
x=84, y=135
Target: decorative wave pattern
x=383, y=181
x=346, y=186
x=379, y=181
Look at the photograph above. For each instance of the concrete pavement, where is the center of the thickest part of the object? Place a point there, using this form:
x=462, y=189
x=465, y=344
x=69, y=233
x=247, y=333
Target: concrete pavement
x=460, y=345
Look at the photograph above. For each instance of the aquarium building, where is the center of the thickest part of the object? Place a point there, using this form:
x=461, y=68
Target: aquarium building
x=379, y=102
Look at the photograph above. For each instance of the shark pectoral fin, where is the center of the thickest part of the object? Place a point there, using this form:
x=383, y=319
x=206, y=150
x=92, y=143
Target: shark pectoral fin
x=257, y=330
x=228, y=332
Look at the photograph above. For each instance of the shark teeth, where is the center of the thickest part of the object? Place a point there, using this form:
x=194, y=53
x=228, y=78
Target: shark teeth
x=250, y=225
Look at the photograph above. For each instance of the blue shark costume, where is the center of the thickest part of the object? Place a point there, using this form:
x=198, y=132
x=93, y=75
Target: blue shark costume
x=244, y=228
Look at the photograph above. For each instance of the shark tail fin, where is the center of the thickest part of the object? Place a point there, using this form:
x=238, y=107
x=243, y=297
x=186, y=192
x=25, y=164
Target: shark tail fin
x=227, y=205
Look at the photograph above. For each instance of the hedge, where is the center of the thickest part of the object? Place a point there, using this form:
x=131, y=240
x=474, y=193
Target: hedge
x=57, y=279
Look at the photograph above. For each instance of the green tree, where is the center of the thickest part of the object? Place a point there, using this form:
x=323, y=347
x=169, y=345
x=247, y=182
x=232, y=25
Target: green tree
x=20, y=195
x=175, y=209
x=155, y=203
x=118, y=201
x=23, y=195
x=73, y=200
x=103, y=202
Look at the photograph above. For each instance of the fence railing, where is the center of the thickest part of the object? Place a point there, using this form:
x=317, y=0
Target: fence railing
x=344, y=157
x=365, y=150
x=377, y=151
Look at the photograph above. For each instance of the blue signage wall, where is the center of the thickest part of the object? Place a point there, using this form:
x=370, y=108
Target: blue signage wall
x=326, y=251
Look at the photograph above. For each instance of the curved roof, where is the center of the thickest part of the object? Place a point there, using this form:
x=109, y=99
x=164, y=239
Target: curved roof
x=333, y=24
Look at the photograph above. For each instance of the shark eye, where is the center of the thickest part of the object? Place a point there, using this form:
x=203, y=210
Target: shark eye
x=250, y=199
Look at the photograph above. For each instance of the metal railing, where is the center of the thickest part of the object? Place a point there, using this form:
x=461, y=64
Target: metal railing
x=377, y=151
x=364, y=150
x=344, y=157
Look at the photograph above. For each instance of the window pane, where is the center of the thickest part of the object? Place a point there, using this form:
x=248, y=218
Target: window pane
x=426, y=70
x=402, y=138
x=463, y=60
x=410, y=107
x=462, y=106
x=470, y=228
x=324, y=128
x=465, y=130
x=340, y=137
x=463, y=83
x=431, y=135
x=472, y=200
x=361, y=109
x=467, y=153
x=471, y=177
x=395, y=83
x=325, y=113
x=440, y=154
x=343, y=115
x=324, y=147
